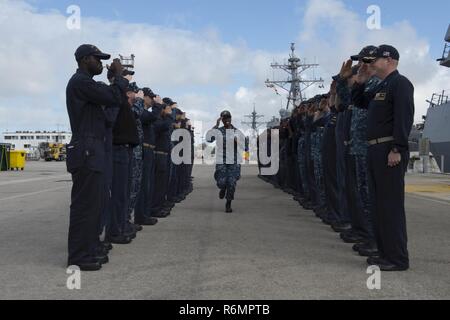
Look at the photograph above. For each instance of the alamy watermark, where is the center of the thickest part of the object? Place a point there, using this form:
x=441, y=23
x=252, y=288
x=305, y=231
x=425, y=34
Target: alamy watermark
x=374, y=280
x=73, y=22
x=374, y=20
x=74, y=279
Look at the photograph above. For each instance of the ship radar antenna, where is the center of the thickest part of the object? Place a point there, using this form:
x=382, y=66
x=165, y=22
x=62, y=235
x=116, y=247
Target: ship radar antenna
x=296, y=84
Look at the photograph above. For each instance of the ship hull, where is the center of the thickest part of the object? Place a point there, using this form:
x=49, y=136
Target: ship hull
x=437, y=130
x=439, y=150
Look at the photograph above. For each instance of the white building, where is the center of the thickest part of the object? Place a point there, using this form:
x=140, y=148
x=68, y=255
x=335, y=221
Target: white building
x=30, y=140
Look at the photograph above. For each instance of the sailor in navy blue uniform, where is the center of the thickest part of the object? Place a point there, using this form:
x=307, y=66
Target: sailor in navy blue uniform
x=86, y=100
x=390, y=120
x=163, y=129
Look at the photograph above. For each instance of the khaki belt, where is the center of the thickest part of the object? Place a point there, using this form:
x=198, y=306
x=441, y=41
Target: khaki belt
x=163, y=153
x=146, y=145
x=380, y=140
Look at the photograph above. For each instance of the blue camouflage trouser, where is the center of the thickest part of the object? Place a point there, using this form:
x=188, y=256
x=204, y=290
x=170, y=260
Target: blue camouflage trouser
x=362, y=182
x=227, y=176
x=318, y=167
x=341, y=172
x=310, y=170
x=302, y=166
x=135, y=178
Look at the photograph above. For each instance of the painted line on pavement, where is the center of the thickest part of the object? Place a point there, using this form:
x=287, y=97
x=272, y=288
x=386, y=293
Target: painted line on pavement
x=32, y=193
x=6, y=183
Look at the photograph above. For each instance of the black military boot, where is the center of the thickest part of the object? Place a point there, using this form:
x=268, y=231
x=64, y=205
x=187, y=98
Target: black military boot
x=222, y=193
x=228, y=207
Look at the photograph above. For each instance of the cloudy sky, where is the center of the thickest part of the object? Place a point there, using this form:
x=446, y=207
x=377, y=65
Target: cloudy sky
x=206, y=55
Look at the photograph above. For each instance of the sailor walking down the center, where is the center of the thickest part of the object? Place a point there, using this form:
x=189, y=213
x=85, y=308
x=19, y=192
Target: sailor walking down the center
x=229, y=149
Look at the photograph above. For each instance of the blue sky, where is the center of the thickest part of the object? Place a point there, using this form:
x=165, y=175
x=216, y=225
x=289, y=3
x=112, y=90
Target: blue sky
x=267, y=25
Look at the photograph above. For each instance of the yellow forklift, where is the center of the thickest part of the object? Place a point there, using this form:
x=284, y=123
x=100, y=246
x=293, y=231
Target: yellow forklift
x=55, y=152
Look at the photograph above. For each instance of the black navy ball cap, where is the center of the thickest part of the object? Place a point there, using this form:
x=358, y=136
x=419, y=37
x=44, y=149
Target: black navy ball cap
x=86, y=50
x=387, y=51
x=133, y=87
x=366, y=52
x=169, y=102
x=149, y=93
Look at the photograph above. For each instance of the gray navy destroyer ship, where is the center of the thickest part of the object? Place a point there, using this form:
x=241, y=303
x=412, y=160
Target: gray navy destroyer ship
x=437, y=121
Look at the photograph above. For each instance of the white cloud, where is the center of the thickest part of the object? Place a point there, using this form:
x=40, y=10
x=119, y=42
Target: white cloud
x=36, y=60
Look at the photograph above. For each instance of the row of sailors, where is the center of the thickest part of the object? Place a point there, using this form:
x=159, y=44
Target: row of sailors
x=344, y=155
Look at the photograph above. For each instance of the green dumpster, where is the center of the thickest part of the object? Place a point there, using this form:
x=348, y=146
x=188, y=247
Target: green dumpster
x=4, y=156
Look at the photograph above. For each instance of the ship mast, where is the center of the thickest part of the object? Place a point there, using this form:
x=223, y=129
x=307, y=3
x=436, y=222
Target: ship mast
x=254, y=124
x=295, y=85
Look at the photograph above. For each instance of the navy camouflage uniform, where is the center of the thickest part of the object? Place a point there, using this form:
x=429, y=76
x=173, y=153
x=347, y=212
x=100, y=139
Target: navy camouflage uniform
x=284, y=146
x=346, y=172
x=295, y=125
x=144, y=203
x=136, y=161
x=291, y=158
x=316, y=147
x=330, y=168
x=227, y=175
x=302, y=159
x=309, y=163
x=359, y=149
x=314, y=159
